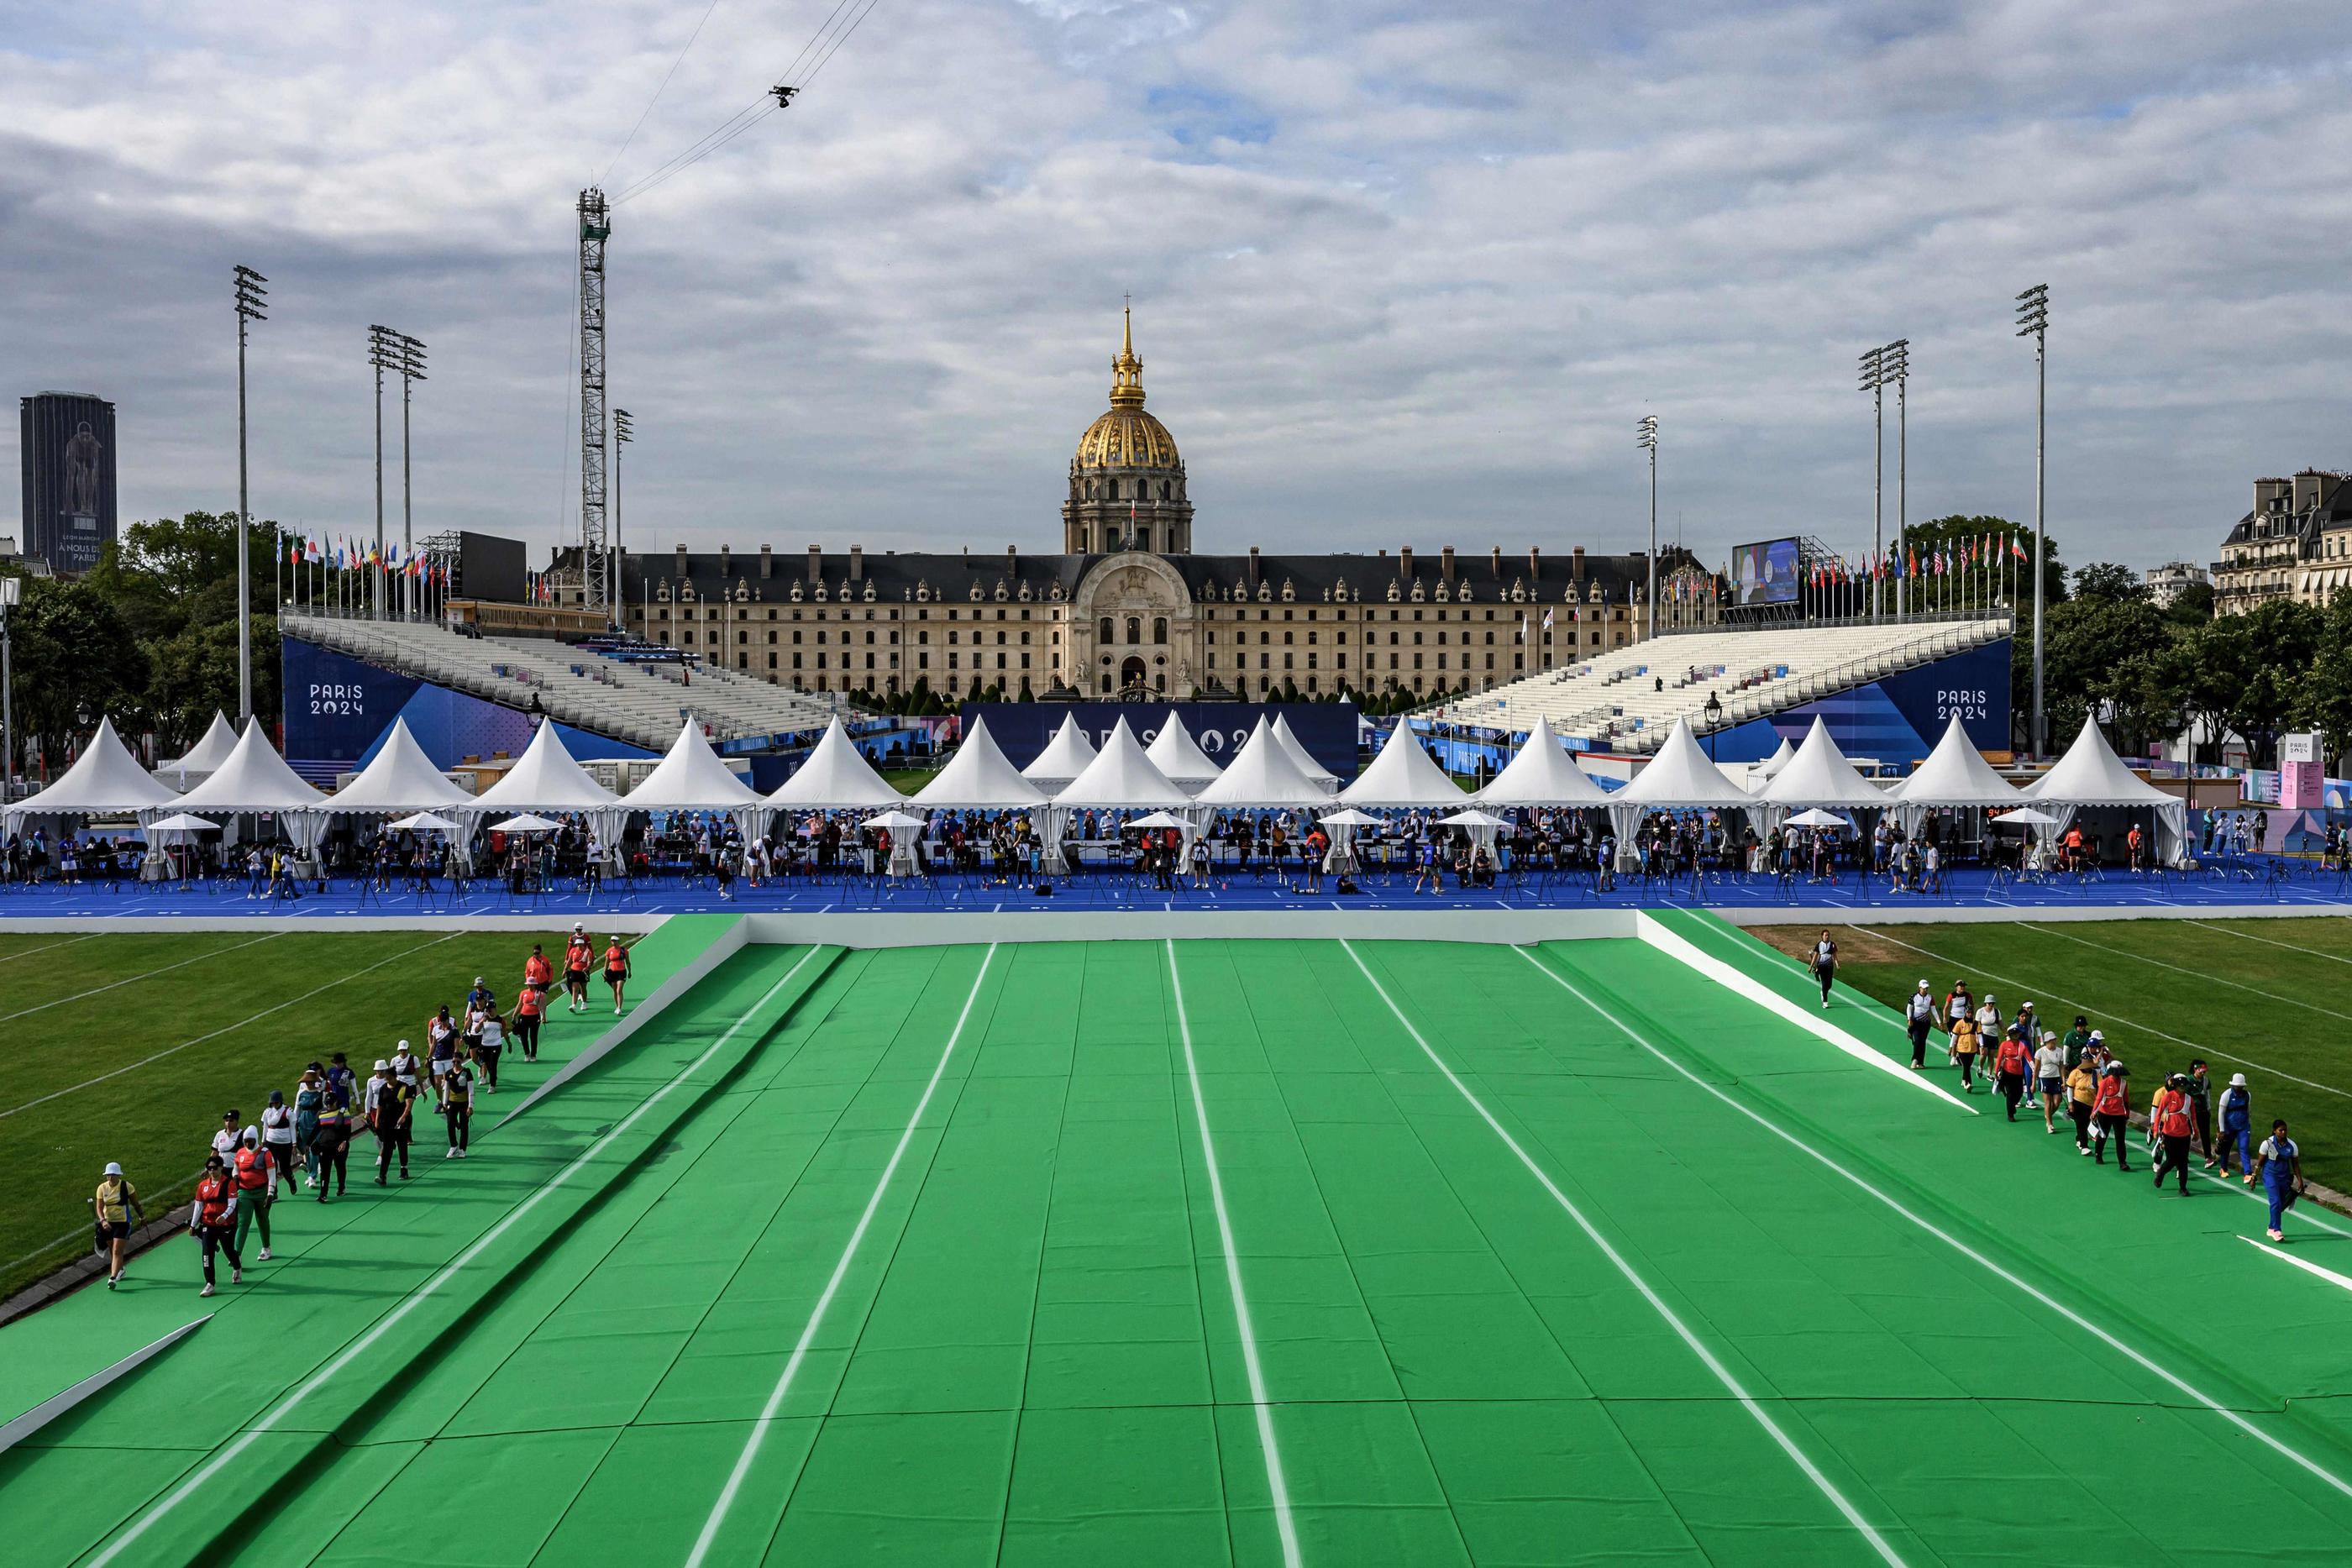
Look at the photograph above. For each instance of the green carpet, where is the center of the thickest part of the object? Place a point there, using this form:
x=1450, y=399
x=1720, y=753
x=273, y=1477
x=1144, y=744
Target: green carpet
x=1023, y=1346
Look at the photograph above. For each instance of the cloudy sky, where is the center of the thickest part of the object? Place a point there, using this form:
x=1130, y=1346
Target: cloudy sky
x=1402, y=274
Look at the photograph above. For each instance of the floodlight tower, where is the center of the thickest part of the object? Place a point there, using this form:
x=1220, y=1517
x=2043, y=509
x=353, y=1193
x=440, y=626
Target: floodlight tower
x=624, y=431
x=2034, y=321
x=1646, y=438
x=250, y=299
x=384, y=354
x=411, y=351
x=595, y=229
x=1874, y=384
x=1895, y=370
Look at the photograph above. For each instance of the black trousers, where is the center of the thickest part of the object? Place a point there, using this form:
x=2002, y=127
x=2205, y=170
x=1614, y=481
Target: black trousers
x=526, y=1034
x=386, y=1143
x=334, y=1162
x=1919, y=1041
x=461, y=1118
x=2012, y=1090
x=1825, y=973
x=2120, y=1129
x=2082, y=1113
x=219, y=1239
x=2172, y=1154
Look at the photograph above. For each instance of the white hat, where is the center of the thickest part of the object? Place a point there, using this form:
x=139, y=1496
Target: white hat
x=114, y=1167
x=2237, y=1080
x=1923, y=985
x=381, y=1065
x=403, y=1048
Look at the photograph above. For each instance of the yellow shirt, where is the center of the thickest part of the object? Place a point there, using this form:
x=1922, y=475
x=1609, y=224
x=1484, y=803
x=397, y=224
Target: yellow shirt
x=2084, y=1084
x=114, y=1197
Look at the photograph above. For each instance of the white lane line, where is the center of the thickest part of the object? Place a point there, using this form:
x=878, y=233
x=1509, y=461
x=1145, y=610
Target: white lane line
x=2266, y=941
x=117, y=985
x=46, y=946
x=228, y=1456
x=719, y=1511
x=1962, y=1248
x=229, y=1028
x=2220, y=1052
x=2182, y=969
x=1275, y=1487
x=1723, y=1373
x=2330, y=1275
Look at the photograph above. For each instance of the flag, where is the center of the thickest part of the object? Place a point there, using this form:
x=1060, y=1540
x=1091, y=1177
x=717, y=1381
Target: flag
x=2018, y=549
x=1523, y=625
x=1547, y=624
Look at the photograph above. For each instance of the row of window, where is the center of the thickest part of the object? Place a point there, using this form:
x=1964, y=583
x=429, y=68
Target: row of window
x=1104, y=627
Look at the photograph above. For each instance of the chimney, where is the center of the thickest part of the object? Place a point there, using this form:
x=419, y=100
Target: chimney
x=1576, y=565
x=1498, y=563
x=1404, y=565
x=1011, y=562
x=1535, y=563
x=726, y=568
x=1253, y=566
x=681, y=564
x=816, y=563
x=857, y=563
x=767, y=562
x=2268, y=491
x=1445, y=564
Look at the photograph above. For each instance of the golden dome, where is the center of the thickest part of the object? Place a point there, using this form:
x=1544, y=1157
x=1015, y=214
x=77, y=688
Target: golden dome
x=1126, y=437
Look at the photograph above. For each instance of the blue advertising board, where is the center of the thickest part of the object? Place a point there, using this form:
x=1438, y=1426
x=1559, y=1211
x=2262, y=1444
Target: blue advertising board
x=1327, y=730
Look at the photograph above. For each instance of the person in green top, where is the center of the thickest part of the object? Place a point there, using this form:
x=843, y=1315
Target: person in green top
x=2078, y=1041
x=116, y=1201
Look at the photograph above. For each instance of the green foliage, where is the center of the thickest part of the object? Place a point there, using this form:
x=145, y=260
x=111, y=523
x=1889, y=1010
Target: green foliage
x=2106, y=580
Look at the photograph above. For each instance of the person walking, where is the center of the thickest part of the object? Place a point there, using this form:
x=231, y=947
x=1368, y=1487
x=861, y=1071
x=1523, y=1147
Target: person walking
x=616, y=971
x=1968, y=1039
x=487, y=1048
x=2237, y=1129
x=1918, y=1017
x=257, y=1185
x=2175, y=1122
x=576, y=955
x=458, y=1108
x=2078, y=1040
x=2200, y=1103
x=309, y=1099
x=343, y=1081
x=225, y=1141
x=389, y=1106
x=277, y=1134
x=2279, y=1167
x=2012, y=1059
x=113, y=1205
x=212, y=1220
x=1824, y=966
x=531, y=1006
x=330, y=1150
x=2083, y=1094
x=2050, y=1075
x=1959, y=1003
x=2112, y=1114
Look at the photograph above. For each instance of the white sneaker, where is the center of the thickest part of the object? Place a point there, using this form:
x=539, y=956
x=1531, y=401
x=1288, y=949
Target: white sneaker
x=237, y=1276
x=616, y=1009
x=206, y=1291
x=451, y=1155
x=463, y=1155
x=265, y=1254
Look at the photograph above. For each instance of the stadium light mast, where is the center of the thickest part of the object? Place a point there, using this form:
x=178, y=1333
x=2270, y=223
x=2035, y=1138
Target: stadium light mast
x=2034, y=321
x=412, y=368
x=1875, y=384
x=624, y=431
x=10, y=587
x=250, y=298
x=384, y=353
x=1895, y=370
x=1646, y=438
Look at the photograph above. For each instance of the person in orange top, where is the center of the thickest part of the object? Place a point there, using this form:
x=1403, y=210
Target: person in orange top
x=2174, y=1119
x=537, y=971
x=212, y=1219
x=576, y=955
x=2012, y=1059
x=530, y=1005
x=257, y=1185
x=2111, y=1117
x=617, y=971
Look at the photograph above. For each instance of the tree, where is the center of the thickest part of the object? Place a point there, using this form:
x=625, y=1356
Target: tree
x=2323, y=698
x=1977, y=548
x=2285, y=639
x=2106, y=580
x=2194, y=607
x=76, y=662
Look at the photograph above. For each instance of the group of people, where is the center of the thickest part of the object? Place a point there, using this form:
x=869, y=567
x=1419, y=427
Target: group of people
x=305, y=1143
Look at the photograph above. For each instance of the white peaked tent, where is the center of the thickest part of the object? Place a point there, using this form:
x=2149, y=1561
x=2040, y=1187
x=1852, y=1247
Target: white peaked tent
x=2091, y=774
x=1122, y=775
x=255, y=779
x=206, y=757
x=1263, y=774
x=1819, y=775
x=400, y=780
x=690, y=778
x=105, y=780
x=1542, y=775
x=1306, y=759
x=1680, y=778
x=1955, y=775
x=1763, y=771
x=1065, y=757
x=1403, y=774
x=979, y=778
x=1175, y=753
x=835, y=777
x=546, y=779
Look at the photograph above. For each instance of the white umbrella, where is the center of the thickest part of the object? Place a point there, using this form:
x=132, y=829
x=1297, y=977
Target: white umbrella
x=427, y=823
x=525, y=824
x=1472, y=818
x=897, y=822
x=181, y=823
x=1159, y=820
x=2025, y=817
x=904, y=840
x=1817, y=818
x=1349, y=817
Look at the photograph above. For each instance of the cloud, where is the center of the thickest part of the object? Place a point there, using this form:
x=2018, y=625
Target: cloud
x=1401, y=274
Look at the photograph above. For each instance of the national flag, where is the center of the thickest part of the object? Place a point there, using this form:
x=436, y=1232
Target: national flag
x=1546, y=621
x=2018, y=549
x=1523, y=625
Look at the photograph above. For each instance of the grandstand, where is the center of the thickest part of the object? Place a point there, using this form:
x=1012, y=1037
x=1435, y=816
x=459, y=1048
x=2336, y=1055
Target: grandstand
x=598, y=689
x=1613, y=700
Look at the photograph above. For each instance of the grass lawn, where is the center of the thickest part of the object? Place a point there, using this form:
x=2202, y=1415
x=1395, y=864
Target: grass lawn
x=907, y=780
x=2271, y=998
x=130, y=1047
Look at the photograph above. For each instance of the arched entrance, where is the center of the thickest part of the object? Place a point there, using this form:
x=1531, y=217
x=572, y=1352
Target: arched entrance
x=1132, y=675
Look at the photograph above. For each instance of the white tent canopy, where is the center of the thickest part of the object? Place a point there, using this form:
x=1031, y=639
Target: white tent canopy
x=690, y=778
x=1680, y=776
x=427, y=823
x=400, y=778
x=1065, y=757
x=1403, y=774
x=978, y=777
x=206, y=757
x=1304, y=758
x=1542, y=774
x=1955, y=775
x=2091, y=774
x=104, y=780
x=1819, y=775
x=255, y=779
x=1176, y=754
x=1771, y=765
x=1122, y=775
x=546, y=779
x=835, y=776
x=1263, y=774
x=527, y=823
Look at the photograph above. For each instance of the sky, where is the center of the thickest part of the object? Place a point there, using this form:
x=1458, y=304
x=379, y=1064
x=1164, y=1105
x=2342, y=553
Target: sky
x=1401, y=274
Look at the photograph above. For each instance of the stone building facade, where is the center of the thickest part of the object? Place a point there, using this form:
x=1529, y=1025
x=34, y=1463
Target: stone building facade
x=1129, y=607
x=2296, y=543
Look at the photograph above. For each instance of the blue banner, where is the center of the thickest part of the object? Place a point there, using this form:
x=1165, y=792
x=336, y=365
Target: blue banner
x=1327, y=730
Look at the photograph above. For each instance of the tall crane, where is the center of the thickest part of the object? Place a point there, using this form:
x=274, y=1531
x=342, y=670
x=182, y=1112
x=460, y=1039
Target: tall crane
x=596, y=590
